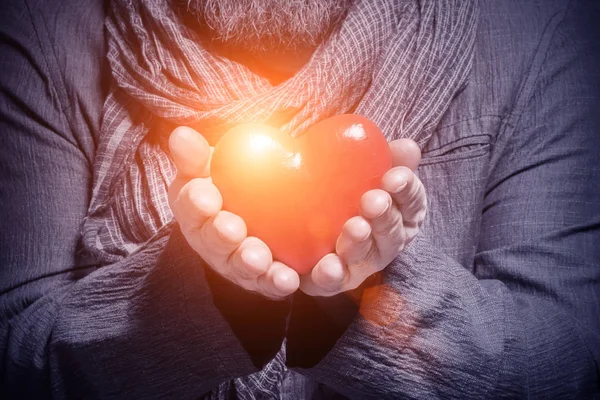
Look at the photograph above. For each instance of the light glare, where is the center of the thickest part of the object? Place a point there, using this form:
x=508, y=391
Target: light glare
x=260, y=142
x=355, y=132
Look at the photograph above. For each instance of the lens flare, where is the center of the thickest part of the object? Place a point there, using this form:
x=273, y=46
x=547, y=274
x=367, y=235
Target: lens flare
x=260, y=142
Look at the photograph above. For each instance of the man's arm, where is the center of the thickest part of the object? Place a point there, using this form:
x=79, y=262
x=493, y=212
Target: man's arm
x=526, y=323
x=147, y=326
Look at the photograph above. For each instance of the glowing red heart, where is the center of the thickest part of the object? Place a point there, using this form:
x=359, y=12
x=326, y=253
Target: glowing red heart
x=296, y=193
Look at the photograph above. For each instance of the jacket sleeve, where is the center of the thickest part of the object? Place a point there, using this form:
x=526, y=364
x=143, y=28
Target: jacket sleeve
x=526, y=323
x=153, y=325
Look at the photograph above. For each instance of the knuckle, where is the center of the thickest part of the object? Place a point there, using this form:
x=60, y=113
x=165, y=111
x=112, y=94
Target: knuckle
x=267, y=289
x=358, y=276
x=415, y=212
x=332, y=286
x=414, y=200
x=363, y=261
x=240, y=271
x=247, y=270
x=196, y=191
x=233, y=274
x=246, y=284
x=328, y=291
x=327, y=283
x=388, y=223
x=403, y=244
x=253, y=241
x=174, y=190
x=353, y=284
x=229, y=227
x=192, y=193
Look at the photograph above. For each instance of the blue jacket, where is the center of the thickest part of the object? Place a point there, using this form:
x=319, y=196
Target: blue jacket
x=498, y=297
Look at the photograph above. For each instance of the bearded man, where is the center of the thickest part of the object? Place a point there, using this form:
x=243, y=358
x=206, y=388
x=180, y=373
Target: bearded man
x=123, y=276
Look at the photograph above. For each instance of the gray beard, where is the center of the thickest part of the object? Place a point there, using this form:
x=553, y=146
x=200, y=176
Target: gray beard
x=269, y=26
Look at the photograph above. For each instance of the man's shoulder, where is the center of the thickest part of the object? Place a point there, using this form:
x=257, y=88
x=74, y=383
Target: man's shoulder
x=63, y=40
x=69, y=29
x=521, y=16
x=512, y=41
x=512, y=30
x=513, y=37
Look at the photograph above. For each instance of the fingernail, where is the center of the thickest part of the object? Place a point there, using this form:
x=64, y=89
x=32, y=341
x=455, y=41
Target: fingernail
x=388, y=204
x=256, y=258
x=250, y=257
x=285, y=281
x=364, y=236
x=334, y=275
x=399, y=187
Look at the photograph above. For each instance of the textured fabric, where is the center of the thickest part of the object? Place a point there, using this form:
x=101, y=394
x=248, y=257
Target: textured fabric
x=498, y=298
x=398, y=63
x=161, y=70
x=499, y=294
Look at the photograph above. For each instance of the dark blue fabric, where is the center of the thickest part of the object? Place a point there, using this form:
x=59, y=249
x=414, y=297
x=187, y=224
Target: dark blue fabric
x=499, y=296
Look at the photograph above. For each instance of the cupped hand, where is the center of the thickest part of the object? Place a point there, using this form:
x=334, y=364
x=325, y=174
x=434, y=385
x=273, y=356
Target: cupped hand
x=389, y=219
x=218, y=236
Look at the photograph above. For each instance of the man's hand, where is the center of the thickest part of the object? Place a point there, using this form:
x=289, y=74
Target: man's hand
x=389, y=219
x=219, y=236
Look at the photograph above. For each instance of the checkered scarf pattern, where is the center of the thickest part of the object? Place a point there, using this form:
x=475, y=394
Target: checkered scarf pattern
x=397, y=62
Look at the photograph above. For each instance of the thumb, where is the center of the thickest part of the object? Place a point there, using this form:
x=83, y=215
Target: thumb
x=190, y=152
x=405, y=153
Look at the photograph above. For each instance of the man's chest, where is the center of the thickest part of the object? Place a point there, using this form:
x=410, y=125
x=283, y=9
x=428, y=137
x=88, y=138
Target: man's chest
x=454, y=170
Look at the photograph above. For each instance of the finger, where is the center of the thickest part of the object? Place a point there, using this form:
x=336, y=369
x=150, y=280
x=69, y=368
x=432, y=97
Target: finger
x=328, y=277
x=197, y=201
x=408, y=193
x=190, y=152
x=175, y=189
x=385, y=220
x=355, y=243
x=405, y=152
x=221, y=236
x=279, y=281
x=251, y=259
x=375, y=203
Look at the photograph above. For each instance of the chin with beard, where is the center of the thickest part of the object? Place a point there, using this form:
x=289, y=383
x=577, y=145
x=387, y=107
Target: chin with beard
x=267, y=27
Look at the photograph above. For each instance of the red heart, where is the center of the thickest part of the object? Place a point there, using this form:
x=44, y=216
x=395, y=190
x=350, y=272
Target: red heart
x=296, y=193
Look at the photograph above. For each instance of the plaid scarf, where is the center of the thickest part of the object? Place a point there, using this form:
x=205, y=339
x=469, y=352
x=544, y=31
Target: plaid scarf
x=397, y=62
